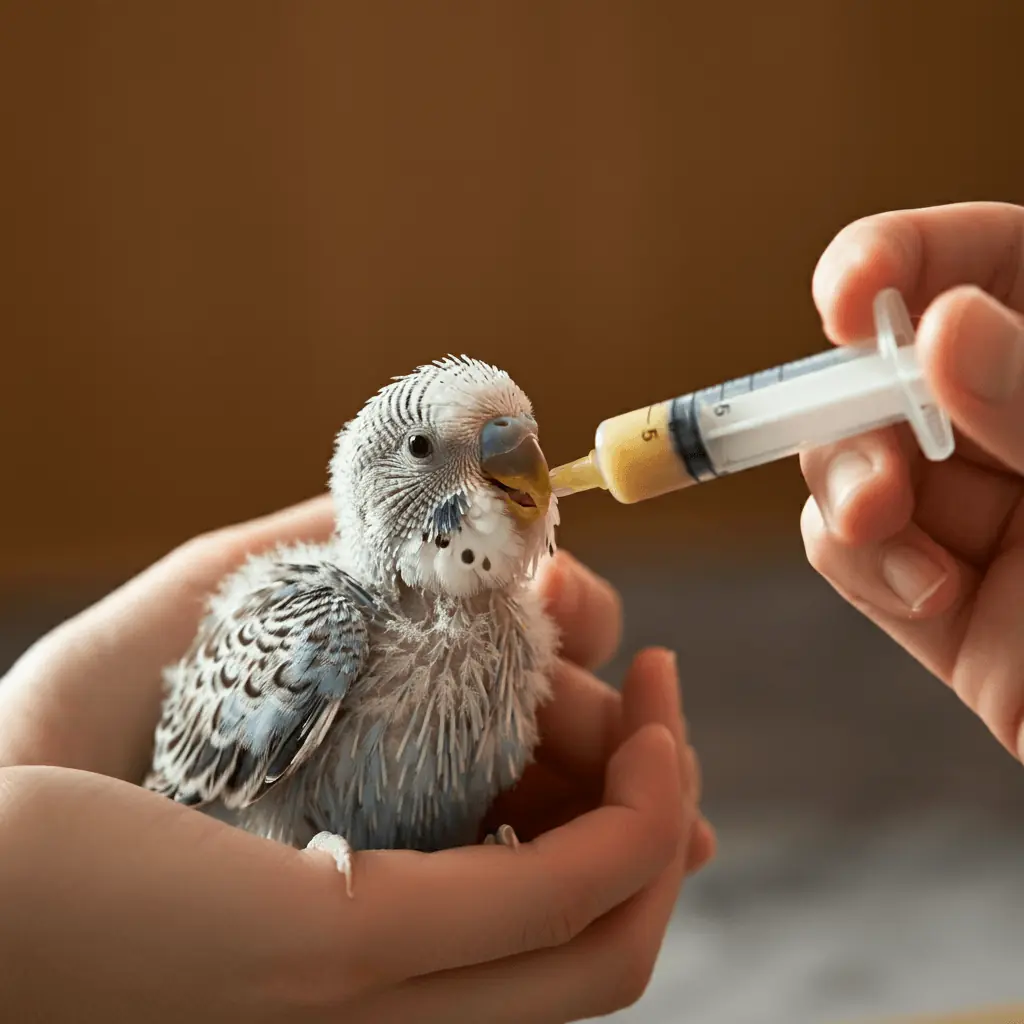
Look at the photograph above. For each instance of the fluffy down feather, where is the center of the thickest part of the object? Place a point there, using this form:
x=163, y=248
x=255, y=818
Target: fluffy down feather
x=382, y=687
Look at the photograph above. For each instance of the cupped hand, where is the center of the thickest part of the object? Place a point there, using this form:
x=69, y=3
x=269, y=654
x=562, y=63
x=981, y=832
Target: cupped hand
x=115, y=898
x=934, y=552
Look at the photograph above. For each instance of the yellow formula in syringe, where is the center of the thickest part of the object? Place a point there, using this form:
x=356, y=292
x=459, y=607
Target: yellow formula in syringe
x=766, y=416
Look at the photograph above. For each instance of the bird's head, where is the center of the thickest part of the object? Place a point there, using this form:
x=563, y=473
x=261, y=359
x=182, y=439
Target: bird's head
x=440, y=481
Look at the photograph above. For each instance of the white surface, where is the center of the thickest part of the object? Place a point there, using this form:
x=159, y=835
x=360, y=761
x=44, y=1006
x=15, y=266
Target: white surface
x=800, y=923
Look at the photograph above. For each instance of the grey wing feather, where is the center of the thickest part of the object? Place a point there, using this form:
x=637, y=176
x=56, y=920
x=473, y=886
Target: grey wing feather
x=261, y=686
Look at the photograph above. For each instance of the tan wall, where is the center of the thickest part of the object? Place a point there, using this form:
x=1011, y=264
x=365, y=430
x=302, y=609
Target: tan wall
x=224, y=225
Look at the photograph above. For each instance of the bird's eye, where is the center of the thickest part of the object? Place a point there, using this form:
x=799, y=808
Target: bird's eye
x=420, y=446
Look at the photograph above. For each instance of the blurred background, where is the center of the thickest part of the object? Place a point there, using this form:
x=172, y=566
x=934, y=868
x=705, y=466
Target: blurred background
x=224, y=225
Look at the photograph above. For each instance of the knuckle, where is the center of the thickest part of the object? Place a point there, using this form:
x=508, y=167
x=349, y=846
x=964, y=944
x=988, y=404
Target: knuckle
x=198, y=549
x=814, y=462
x=630, y=978
x=564, y=911
x=214, y=552
x=668, y=831
x=559, y=924
x=663, y=833
x=999, y=704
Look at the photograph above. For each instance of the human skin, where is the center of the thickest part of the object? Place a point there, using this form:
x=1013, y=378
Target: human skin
x=934, y=552
x=116, y=899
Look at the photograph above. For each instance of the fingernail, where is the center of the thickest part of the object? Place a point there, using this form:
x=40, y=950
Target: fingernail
x=991, y=364
x=668, y=669
x=671, y=660
x=845, y=474
x=912, y=576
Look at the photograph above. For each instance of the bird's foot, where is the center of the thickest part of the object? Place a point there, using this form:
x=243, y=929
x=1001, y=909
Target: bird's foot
x=339, y=849
x=505, y=836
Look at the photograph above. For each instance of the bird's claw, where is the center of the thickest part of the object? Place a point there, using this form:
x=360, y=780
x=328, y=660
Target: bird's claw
x=339, y=849
x=504, y=836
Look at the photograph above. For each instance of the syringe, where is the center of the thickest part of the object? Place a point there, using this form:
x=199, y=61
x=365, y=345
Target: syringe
x=767, y=416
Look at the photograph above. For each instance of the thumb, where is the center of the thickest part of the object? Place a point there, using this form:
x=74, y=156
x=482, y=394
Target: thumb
x=972, y=348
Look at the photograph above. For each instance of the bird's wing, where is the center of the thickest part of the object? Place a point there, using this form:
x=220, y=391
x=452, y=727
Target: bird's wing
x=261, y=686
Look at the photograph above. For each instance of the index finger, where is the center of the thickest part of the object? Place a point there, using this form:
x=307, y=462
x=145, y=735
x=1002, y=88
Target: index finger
x=922, y=253
x=414, y=914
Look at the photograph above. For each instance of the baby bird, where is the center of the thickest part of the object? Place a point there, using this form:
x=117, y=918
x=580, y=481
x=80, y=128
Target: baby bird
x=379, y=691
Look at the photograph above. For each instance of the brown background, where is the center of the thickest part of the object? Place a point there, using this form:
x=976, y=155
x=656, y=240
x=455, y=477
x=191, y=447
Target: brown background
x=225, y=224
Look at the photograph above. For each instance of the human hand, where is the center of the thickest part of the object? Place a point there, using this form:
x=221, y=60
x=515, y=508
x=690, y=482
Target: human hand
x=934, y=552
x=126, y=894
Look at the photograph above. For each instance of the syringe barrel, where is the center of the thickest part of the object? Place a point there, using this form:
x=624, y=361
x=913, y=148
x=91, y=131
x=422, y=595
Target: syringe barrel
x=828, y=396
x=770, y=415
x=680, y=442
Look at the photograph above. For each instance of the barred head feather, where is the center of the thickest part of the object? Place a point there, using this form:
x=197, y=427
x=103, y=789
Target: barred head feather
x=413, y=502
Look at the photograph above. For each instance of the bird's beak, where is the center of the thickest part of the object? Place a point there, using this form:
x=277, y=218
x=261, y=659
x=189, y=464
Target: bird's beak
x=511, y=456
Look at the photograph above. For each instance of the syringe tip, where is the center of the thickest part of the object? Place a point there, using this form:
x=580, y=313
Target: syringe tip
x=572, y=477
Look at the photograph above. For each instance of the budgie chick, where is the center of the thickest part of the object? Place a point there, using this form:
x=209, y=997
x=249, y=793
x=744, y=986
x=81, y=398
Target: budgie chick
x=378, y=691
